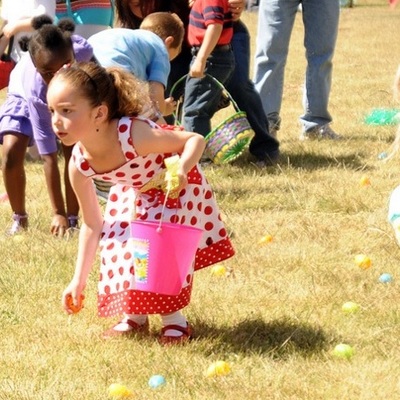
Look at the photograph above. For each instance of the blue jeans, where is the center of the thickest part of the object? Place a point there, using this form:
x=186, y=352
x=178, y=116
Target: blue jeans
x=275, y=24
x=202, y=95
x=242, y=89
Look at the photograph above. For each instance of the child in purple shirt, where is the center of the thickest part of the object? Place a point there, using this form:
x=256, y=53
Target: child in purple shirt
x=25, y=119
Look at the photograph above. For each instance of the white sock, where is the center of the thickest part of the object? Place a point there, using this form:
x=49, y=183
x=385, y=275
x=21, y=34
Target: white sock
x=124, y=327
x=175, y=318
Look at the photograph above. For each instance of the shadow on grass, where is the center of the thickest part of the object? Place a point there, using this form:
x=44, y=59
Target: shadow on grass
x=304, y=160
x=279, y=338
x=313, y=161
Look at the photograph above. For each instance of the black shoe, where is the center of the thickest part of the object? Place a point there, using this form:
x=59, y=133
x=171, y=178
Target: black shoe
x=270, y=159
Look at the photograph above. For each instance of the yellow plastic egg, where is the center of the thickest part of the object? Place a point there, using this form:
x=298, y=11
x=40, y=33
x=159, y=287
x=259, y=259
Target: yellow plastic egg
x=118, y=391
x=363, y=261
x=218, y=270
x=219, y=368
x=266, y=239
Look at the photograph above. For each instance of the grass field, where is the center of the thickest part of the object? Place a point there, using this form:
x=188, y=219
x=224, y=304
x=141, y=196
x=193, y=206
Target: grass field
x=277, y=315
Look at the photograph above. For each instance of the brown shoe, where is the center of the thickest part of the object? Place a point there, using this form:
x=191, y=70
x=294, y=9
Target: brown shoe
x=173, y=340
x=135, y=328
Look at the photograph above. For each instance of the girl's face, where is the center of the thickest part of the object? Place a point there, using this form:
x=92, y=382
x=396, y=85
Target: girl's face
x=134, y=6
x=72, y=116
x=48, y=63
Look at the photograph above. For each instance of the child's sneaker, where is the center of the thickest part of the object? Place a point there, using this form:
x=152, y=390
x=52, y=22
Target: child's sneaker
x=73, y=226
x=19, y=225
x=73, y=221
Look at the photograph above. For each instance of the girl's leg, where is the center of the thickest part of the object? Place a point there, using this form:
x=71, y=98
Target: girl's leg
x=131, y=323
x=176, y=329
x=53, y=181
x=14, y=149
x=70, y=198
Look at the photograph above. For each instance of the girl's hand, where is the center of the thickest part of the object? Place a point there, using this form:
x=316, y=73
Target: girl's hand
x=59, y=225
x=183, y=180
x=72, y=298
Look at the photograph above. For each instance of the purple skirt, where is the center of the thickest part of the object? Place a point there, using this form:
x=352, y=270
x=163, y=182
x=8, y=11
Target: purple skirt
x=14, y=118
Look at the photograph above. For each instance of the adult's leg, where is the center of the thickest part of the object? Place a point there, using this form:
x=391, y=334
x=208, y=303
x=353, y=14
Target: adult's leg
x=321, y=21
x=275, y=25
x=14, y=149
x=263, y=146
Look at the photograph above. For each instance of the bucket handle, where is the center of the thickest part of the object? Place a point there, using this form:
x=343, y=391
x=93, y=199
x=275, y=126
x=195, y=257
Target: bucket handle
x=159, y=228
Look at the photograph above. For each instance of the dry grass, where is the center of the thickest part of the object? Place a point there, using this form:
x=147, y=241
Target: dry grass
x=276, y=318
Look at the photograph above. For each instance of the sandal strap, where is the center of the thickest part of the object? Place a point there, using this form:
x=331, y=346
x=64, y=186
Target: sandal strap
x=184, y=330
x=18, y=217
x=134, y=325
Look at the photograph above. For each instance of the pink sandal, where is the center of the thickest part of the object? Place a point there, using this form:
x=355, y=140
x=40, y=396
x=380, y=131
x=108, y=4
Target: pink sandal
x=172, y=340
x=135, y=328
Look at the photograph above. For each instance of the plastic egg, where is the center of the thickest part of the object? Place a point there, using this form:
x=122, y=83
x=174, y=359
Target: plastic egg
x=75, y=308
x=218, y=270
x=363, y=261
x=219, y=368
x=386, y=278
x=365, y=181
x=344, y=351
x=156, y=381
x=118, y=391
x=350, y=307
x=266, y=239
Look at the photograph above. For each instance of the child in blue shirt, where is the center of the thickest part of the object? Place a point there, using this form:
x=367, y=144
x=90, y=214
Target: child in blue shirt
x=145, y=52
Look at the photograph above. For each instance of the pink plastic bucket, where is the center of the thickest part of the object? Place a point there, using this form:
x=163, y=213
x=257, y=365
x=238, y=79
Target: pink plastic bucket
x=162, y=256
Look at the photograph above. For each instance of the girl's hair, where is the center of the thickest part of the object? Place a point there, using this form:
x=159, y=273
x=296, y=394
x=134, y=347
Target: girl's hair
x=119, y=90
x=47, y=36
x=165, y=24
x=126, y=19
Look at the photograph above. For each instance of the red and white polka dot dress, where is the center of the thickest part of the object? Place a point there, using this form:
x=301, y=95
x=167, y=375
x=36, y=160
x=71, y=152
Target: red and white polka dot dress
x=138, y=190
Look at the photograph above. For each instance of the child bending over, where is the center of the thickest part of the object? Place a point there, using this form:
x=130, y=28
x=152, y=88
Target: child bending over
x=95, y=109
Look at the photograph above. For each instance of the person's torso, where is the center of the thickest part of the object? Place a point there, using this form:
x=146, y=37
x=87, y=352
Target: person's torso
x=206, y=12
x=138, y=51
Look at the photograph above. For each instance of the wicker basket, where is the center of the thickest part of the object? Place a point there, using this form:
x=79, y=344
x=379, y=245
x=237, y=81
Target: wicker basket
x=229, y=139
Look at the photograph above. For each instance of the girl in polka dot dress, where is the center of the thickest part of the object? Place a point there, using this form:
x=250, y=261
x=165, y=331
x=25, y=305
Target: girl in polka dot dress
x=97, y=110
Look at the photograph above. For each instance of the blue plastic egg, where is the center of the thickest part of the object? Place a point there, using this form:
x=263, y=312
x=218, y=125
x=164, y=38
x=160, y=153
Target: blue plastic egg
x=385, y=278
x=156, y=381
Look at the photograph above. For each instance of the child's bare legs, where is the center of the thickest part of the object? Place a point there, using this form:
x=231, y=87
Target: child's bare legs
x=50, y=164
x=14, y=149
x=71, y=200
x=131, y=323
x=124, y=325
x=176, y=329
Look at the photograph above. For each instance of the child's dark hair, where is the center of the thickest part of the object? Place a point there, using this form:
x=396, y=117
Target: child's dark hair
x=165, y=24
x=48, y=36
x=119, y=90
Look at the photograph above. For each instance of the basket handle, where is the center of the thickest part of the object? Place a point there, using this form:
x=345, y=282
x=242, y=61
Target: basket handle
x=215, y=80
